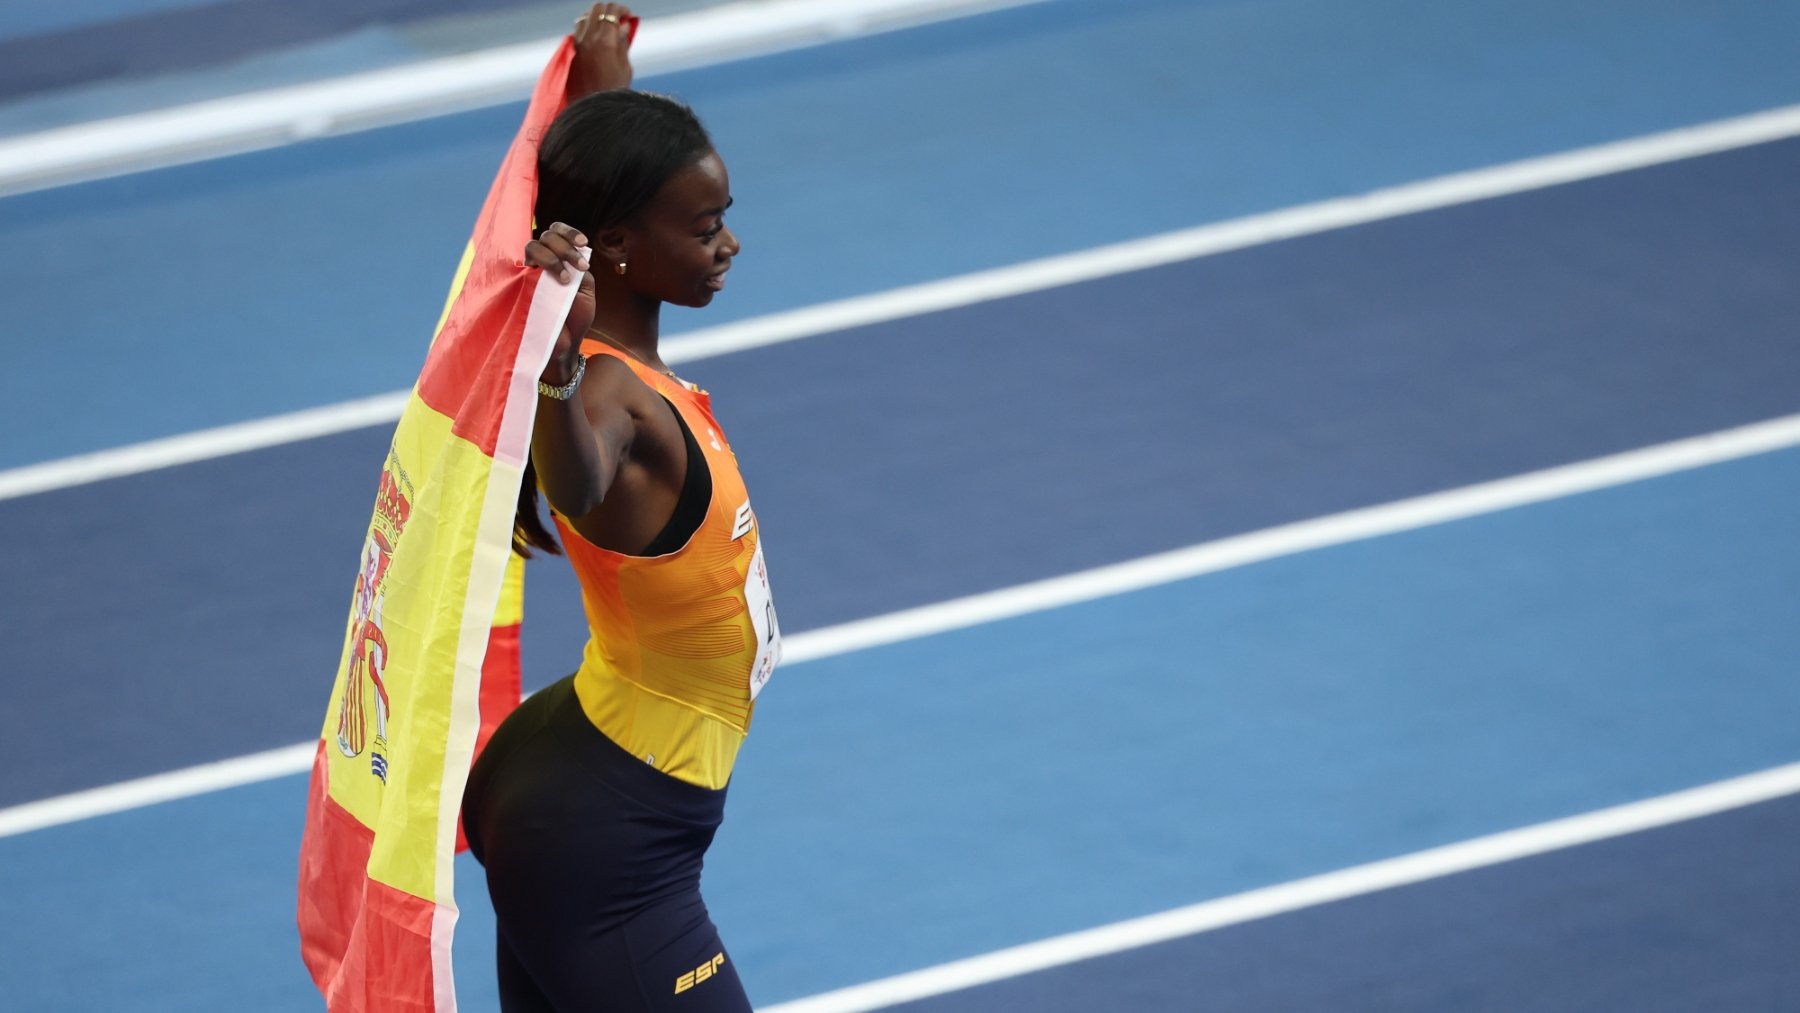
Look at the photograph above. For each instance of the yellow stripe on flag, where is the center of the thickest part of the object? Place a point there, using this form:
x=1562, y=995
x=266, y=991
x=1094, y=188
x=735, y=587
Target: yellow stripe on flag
x=511, y=611
x=417, y=558
x=424, y=664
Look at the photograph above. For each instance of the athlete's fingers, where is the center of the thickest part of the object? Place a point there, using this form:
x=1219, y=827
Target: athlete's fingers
x=569, y=232
x=541, y=256
x=554, y=255
x=603, y=18
x=565, y=249
x=623, y=13
x=563, y=244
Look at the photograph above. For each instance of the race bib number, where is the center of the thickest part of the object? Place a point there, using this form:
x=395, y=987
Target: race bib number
x=762, y=619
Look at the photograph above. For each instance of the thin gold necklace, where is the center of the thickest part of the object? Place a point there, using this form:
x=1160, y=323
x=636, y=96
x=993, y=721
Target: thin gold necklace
x=620, y=345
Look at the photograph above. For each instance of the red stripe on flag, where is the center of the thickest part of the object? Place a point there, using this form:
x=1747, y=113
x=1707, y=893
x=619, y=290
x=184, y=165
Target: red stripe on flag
x=500, y=693
x=471, y=362
x=367, y=944
x=388, y=966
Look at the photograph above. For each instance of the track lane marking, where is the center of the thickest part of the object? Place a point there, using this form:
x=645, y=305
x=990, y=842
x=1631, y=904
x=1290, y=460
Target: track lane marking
x=236, y=124
x=1420, y=866
x=202, y=445
x=141, y=792
x=1042, y=595
x=982, y=286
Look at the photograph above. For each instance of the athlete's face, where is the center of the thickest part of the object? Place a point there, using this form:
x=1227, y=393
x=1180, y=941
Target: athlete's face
x=679, y=248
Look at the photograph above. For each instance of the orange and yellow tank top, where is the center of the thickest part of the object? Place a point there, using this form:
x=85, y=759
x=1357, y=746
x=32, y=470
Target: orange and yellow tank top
x=680, y=644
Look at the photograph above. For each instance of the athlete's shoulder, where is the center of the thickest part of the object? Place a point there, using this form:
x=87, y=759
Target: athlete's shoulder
x=611, y=381
x=620, y=402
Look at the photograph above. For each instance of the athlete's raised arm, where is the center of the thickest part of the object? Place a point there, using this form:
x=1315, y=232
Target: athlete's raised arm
x=602, y=57
x=578, y=442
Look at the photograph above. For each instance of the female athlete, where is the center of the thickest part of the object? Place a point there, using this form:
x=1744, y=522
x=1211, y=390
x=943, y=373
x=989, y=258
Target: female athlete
x=594, y=803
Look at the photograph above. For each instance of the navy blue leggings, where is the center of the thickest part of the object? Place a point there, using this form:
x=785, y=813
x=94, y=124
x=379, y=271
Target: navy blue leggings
x=593, y=864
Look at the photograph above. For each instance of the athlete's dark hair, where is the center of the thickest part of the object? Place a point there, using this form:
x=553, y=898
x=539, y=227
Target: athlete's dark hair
x=602, y=160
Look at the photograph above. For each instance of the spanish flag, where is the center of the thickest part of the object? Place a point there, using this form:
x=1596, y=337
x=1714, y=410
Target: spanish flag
x=430, y=660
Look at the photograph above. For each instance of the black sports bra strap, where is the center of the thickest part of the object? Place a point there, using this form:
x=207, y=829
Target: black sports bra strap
x=696, y=495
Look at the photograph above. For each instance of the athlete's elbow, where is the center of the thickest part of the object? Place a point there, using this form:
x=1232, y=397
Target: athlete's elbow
x=576, y=502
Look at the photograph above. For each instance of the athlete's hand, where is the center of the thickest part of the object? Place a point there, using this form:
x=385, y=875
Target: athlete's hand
x=602, y=57
x=562, y=249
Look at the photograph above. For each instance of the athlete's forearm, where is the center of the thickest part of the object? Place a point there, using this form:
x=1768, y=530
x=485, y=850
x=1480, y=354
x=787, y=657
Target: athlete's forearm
x=574, y=467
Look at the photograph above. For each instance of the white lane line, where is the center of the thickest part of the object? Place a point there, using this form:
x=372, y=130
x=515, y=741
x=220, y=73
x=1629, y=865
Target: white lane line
x=1301, y=536
x=202, y=445
x=1038, y=596
x=1252, y=230
x=982, y=286
x=147, y=791
x=272, y=118
x=1304, y=893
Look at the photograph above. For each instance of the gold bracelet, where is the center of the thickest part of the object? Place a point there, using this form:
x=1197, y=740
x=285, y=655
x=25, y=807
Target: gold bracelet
x=567, y=390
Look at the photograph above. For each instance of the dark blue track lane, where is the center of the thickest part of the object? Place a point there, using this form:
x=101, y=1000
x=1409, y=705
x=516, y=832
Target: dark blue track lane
x=1695, y=916
x=924, y=801
x=857, y=167
x=170, y=37
x=962, y=451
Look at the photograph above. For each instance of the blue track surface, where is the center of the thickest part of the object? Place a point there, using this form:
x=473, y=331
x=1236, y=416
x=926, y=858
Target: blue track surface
x=84, y=42
x=1214, y=397
x=1693, y=916
x=939, y=798
x=23, y=21
x=858, y=167
x=943, y=797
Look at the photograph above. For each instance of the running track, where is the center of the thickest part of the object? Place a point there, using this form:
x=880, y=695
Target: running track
x=1052, y=772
